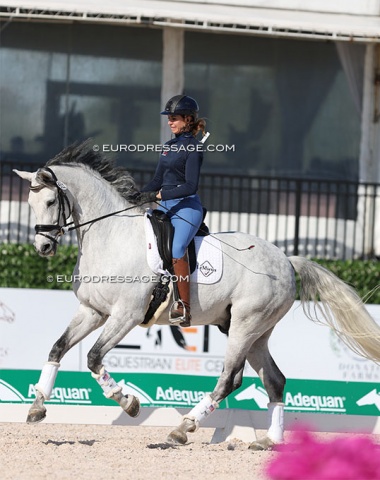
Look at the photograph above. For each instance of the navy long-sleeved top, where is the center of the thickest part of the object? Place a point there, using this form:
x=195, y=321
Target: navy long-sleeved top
x=177, y=172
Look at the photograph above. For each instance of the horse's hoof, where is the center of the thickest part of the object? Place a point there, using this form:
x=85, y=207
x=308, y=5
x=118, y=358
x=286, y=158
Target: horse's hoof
x=262, y=444
x=177, y=437
x=133, y=409
x=36, y=415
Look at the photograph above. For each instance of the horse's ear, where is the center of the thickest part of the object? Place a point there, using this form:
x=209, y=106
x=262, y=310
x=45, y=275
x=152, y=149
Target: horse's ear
x=24, y=175
x=44, y=177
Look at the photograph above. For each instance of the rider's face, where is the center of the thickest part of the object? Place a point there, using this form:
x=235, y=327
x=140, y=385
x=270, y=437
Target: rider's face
x=177, y=123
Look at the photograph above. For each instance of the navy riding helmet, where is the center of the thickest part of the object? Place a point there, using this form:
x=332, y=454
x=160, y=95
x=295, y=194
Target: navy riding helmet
x=181, y=105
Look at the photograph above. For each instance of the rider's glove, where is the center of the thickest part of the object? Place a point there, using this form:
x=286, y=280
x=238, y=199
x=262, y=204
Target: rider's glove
x=139, y=198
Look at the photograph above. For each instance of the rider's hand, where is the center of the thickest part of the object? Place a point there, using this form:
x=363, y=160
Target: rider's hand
x=140, y=198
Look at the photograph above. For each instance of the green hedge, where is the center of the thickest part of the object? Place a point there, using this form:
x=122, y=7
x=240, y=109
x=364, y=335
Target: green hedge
x=21, y=267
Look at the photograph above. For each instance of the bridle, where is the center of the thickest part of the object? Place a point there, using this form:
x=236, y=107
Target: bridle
x=63, y=201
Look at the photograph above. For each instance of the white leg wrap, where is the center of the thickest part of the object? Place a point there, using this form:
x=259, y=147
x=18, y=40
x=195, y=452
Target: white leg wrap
x=108, y=384
x=276, y=422
x=47, y=378
x=202, y=410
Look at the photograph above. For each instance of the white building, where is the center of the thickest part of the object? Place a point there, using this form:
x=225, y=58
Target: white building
x=294, y=86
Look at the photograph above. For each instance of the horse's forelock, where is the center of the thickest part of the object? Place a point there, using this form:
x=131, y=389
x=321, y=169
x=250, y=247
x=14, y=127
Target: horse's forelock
x=85, y=155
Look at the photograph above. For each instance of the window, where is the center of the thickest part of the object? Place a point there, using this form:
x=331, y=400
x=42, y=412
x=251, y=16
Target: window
x=65, y=83
x=284, y=104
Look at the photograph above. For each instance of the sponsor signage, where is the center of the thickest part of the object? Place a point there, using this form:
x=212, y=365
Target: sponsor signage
x=167, y=390
x=174, y=367
x=302, y=349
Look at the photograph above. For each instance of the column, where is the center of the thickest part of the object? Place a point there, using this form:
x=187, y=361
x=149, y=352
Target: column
x=172, y=71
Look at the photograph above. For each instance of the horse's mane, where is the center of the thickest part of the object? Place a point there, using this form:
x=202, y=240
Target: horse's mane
x=84, y=154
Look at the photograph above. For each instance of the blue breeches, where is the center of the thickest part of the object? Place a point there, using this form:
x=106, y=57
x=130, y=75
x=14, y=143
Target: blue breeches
x=186, y=215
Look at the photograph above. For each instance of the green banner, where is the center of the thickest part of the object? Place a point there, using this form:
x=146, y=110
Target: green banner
x=168, y=390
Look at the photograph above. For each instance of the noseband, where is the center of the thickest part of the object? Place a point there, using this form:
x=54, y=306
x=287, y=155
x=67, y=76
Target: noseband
x=42, y=229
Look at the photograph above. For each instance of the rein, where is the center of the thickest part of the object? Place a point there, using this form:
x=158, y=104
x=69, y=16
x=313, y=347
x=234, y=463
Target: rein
x=65, y=229
x=62, y=229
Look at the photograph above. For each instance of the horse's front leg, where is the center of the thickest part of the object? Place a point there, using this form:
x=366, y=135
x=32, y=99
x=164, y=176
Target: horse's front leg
x=129, y=403
x=114, y=331
x=84, y=322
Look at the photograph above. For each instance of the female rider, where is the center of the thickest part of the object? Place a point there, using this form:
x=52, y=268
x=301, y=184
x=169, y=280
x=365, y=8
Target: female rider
x=175, y=184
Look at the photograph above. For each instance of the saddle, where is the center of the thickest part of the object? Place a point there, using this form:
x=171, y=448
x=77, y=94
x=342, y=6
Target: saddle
x=164, y=233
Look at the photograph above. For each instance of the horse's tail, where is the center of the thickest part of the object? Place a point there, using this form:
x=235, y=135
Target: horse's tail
x=340, y=306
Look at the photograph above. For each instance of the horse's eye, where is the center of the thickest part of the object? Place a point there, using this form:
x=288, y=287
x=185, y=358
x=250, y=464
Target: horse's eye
x=50, y=203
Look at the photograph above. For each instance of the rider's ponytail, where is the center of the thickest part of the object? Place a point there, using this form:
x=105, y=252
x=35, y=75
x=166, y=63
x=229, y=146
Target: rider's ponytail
x=195, y=126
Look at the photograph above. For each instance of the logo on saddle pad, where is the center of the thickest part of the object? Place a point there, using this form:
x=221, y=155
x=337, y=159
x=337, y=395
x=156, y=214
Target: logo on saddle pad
x=206, y=268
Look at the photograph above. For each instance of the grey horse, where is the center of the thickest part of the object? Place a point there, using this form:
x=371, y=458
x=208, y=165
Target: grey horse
x=256, y=290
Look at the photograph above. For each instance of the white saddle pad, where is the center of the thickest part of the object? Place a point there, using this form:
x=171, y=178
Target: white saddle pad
x=208, y=250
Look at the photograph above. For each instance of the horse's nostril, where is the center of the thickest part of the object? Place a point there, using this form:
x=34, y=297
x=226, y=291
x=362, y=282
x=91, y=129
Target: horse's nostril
x=46, y=247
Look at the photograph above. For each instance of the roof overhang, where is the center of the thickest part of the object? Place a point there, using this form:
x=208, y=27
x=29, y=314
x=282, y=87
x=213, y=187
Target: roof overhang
x=201, y=17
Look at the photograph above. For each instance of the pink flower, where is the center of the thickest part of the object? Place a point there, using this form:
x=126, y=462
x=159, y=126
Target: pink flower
x=353, y=457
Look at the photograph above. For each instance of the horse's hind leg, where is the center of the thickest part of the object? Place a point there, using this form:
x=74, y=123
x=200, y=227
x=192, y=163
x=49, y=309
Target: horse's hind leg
x=231, y=378
x=84, y=322
x=273, y=380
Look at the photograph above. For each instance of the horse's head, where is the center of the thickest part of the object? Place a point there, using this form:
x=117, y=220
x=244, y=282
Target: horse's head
x=50, y=203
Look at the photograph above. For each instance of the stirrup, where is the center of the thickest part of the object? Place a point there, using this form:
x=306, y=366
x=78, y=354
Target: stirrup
x=181, y=321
